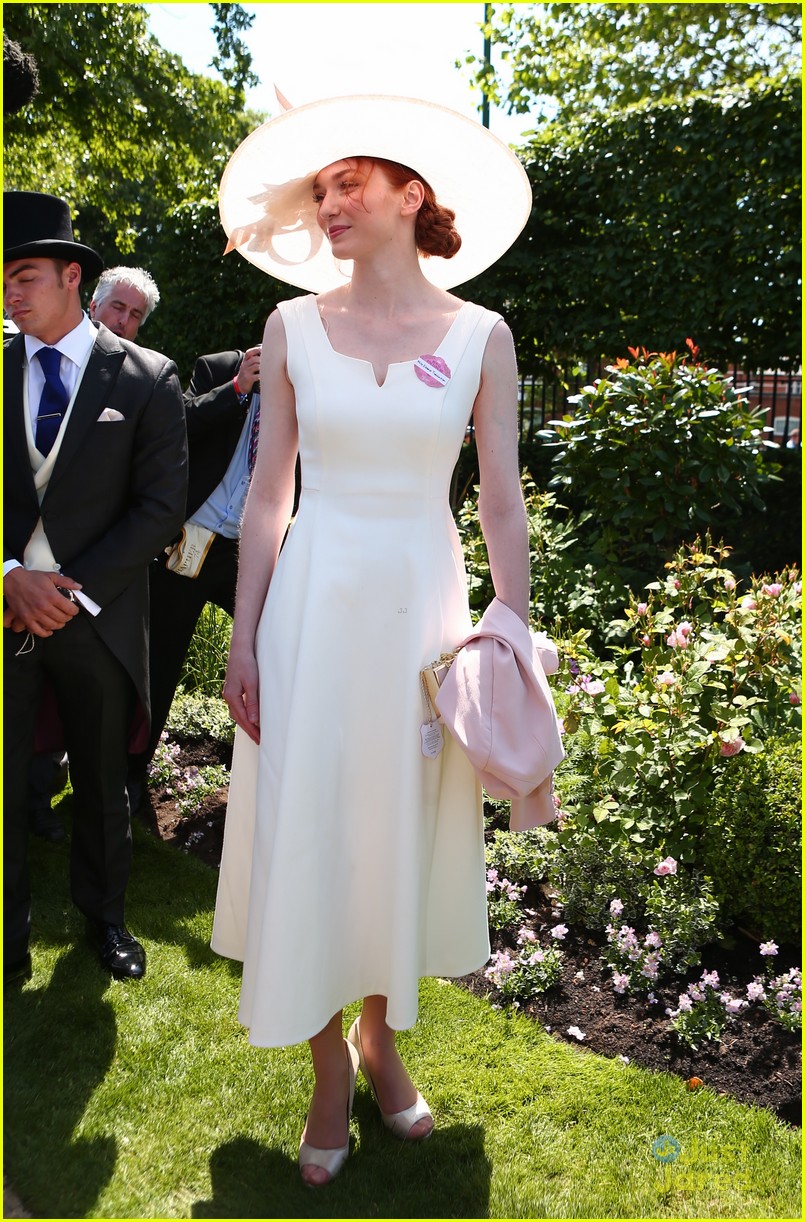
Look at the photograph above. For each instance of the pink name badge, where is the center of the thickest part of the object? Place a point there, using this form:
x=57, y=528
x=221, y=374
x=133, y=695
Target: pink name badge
x=432, y=370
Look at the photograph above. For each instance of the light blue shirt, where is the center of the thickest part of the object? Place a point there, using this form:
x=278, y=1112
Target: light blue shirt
x=223, y=509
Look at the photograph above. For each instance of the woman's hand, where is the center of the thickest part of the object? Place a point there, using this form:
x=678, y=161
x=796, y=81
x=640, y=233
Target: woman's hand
x=241, y=691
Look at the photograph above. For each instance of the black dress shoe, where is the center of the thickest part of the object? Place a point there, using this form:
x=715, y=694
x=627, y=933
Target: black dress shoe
x=17, y=970
x=48, y=826
x=136, y=786
x=119, y=952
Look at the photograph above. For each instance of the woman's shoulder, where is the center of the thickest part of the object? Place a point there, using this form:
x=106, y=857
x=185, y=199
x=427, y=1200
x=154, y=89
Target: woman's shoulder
x=296, y=305
x=480, y=311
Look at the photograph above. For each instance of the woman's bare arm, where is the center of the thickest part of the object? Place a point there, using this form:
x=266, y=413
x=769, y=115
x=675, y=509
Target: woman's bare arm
x=500, y=501
x=265, y=519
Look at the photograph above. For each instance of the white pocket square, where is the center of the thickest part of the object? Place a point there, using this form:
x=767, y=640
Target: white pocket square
x=109, y=413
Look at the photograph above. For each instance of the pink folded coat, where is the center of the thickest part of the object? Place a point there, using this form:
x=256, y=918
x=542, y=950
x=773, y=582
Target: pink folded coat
x=496, y=703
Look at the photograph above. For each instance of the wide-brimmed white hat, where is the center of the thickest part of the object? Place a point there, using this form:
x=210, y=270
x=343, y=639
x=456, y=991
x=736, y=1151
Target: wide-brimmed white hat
x=266, y=199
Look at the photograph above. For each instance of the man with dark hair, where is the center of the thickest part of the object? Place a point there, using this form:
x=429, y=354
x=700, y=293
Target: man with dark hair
x=95, y=483
x=20, y=77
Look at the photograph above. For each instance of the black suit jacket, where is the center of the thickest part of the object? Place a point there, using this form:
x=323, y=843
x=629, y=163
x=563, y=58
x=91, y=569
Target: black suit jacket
x=117, y=492
x=215, y=419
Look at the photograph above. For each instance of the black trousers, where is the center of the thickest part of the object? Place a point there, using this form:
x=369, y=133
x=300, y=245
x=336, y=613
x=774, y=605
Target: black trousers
x=176, y=604
x=95, y=696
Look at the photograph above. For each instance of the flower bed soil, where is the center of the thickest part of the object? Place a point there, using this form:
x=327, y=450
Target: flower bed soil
x=757, y=1060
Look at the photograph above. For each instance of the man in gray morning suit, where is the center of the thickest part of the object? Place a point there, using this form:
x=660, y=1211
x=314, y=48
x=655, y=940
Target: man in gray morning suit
x=95, y=481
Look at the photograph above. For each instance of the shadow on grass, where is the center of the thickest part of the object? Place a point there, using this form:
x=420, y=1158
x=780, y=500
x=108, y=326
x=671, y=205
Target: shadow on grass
x=39, y=1053
x=447, y=1176
x=61, y=1039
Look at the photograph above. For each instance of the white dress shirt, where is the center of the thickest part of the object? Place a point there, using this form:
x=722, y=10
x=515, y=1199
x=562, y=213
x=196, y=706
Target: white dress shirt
x=74, y=348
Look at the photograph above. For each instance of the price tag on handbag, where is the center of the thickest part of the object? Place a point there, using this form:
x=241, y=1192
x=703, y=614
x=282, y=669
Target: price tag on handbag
x=432, y=738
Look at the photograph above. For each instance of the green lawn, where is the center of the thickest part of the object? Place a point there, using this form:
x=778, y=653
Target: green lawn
x=145, y=1099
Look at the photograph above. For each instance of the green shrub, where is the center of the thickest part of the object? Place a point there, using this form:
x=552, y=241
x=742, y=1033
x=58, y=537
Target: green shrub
x=194, y=715
x=522, y=857
x=578, y=780
x=588, y=873
x=569, y=584
x=614, y=886
x=752, y=846
x=683, y=910
x=713, y=673
x=656, y=449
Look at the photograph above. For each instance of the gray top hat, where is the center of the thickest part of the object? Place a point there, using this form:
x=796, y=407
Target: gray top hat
x=39, y=226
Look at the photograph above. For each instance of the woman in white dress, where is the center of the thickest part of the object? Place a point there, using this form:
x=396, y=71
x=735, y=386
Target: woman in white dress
x=353, y=859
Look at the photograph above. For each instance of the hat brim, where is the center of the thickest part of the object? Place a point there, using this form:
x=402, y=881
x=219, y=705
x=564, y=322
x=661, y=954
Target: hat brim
x=266, y=206
x=89, y=261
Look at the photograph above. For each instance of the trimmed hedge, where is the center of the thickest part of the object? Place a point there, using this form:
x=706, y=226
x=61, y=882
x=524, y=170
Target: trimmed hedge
x=752, y=844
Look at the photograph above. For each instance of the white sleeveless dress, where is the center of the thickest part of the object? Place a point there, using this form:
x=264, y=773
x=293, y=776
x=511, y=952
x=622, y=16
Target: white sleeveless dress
x=352, y=863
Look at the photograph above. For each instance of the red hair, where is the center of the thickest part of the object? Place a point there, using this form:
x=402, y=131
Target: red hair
x=435, y=233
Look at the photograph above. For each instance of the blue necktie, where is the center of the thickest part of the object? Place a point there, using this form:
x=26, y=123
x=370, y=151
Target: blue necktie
x=53, y=403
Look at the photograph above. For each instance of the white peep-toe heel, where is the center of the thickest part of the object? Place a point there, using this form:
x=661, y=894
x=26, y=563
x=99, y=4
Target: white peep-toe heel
x=333, y=1160
x=400, y=1123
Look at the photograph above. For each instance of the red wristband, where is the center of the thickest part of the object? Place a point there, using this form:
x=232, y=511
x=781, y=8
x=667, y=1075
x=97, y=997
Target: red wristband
x=238, y=391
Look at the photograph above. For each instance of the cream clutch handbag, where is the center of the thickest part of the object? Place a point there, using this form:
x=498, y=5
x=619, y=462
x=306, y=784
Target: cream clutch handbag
x=432, y=677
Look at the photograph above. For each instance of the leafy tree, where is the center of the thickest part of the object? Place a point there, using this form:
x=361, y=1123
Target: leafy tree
x=119, y=128
x=568, y=60
x=233, y=60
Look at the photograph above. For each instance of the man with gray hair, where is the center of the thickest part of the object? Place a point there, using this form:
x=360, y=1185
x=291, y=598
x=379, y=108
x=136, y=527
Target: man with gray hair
x=123, y=299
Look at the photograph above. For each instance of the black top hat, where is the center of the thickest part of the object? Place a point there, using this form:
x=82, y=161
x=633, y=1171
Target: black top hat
x=39, y=226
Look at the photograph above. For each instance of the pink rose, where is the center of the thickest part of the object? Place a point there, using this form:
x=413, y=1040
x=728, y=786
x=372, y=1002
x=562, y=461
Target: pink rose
x=677, y=640
x=729, y=583
x=668, y=866
x=585, y=683
x=748, y=603
x=731, y=746
x=642, y=608
x=685, y=628
x=774, y=590
x=794, y=698
x=644, y=640
x=666, y=679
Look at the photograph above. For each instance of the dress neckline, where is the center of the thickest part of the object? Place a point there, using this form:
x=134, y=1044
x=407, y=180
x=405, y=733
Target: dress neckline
x=392, y=364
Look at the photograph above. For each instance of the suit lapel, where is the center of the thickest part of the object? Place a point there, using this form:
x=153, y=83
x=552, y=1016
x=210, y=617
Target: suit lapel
x=93, y=396
x=17, y=464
